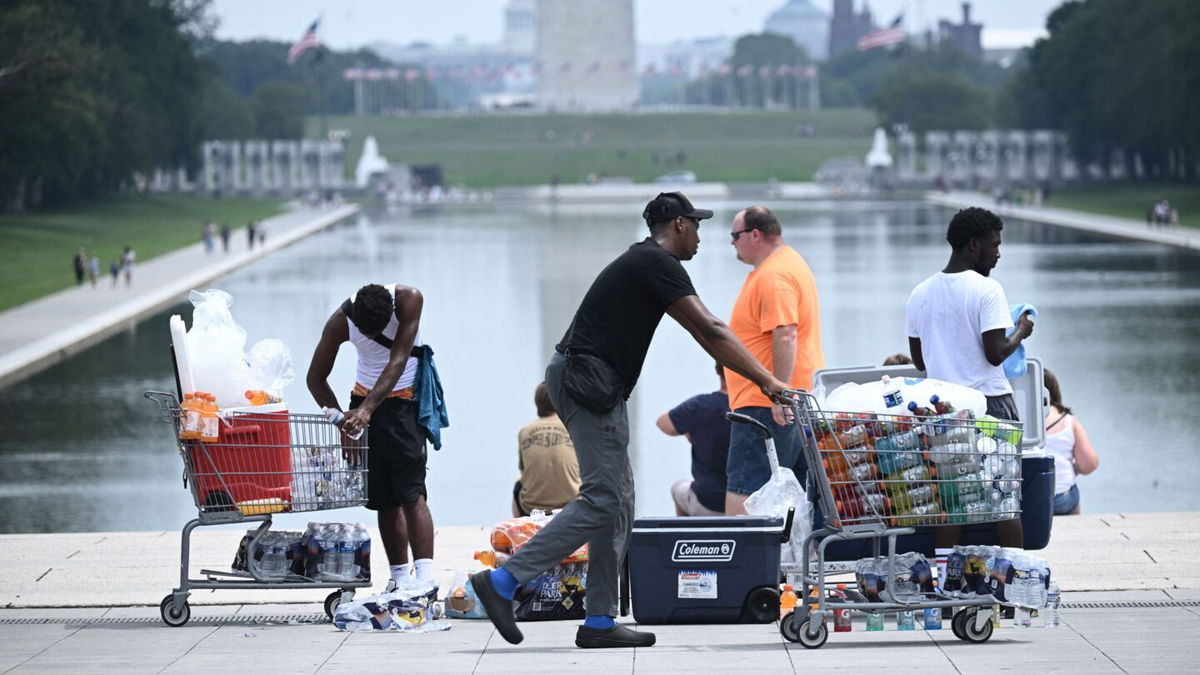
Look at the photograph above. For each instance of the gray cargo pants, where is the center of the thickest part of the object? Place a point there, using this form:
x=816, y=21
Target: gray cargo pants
x=602, y=515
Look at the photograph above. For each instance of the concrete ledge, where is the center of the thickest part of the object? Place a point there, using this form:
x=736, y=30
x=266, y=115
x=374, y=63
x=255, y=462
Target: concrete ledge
x=1077, y=220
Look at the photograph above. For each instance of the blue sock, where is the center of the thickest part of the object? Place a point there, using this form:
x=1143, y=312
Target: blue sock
x=504, y=583
x=602, y=622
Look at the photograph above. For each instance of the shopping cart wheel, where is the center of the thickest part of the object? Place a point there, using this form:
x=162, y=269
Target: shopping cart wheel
x=787, y=629
x=972, y=634
x=331, y=603
x=814, y=641
x=956, y=624
x=171, y=617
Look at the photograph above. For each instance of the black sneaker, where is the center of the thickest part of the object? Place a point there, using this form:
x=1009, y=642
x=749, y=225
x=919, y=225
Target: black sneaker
x=619, y=635
x=498, y=608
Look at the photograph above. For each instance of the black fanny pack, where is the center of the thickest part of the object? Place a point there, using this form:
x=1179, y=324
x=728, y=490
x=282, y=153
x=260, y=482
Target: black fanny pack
x=593, y=383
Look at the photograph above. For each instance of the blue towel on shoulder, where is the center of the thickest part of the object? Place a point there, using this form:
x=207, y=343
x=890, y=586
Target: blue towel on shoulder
x=431, y=403
x=1014, y=365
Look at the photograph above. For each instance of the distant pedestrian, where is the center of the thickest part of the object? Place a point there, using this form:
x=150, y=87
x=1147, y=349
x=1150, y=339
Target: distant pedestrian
x=262, y=233
x=251, y=234
x=94, y=269
x=225, y=232
x=209, y=234
x=114, y=269
x=127, y=259
x=79, y=263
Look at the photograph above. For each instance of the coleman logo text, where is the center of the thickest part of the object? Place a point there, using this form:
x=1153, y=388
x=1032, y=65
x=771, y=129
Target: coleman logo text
x=703, y=550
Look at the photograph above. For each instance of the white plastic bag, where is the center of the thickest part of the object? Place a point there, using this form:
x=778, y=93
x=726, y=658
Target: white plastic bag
x=410, y=609
x=868, y=396
x=774, y=499
x=215, y=347
x=271, y=365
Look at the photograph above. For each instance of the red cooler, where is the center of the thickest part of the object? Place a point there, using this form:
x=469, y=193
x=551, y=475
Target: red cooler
x=251, y=462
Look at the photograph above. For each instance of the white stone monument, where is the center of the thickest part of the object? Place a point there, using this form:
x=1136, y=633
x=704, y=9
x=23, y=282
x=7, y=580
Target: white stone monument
x=588, y=55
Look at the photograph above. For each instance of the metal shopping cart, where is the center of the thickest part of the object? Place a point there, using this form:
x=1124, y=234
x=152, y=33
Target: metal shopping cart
x=877, y=477
x=263, y=463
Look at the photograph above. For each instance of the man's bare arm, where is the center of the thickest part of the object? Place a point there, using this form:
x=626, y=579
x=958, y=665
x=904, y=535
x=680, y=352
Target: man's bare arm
x=914, y=350
x=783, y=351
x=720, y=342
x=997, y=346
x=333, y=335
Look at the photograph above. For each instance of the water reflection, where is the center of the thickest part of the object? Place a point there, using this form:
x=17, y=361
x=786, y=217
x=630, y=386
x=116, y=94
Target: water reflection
x=85, y=451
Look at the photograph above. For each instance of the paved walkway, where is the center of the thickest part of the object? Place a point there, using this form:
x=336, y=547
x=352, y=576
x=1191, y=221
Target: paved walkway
x=89, y=601
x=43, y=332
x=1090, y=222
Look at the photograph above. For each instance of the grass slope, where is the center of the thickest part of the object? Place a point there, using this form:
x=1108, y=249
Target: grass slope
x=483, y=151
x=38, y=247
x=1131, y=200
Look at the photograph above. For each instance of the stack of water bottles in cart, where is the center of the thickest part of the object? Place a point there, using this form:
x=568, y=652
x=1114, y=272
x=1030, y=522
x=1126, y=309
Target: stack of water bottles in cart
x=327, y=478
x=936, y=465
x=1009, y=577
x=325, y=552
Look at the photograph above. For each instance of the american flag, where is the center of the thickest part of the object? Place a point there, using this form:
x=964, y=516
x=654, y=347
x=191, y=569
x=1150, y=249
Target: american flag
x=891, y=35
x=306, y=42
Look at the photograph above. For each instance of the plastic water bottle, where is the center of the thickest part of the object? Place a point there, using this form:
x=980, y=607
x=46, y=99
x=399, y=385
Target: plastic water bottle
x=905, y=620
x=1022, y=618
x=893, y=399
x=874, y=621
x=345, y=564
x=933, y=618
x=1050, y=612
x=274, y=562
x=335, y=418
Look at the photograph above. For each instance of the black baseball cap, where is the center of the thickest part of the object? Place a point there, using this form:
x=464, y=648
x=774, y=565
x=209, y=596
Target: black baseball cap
x=670, y=205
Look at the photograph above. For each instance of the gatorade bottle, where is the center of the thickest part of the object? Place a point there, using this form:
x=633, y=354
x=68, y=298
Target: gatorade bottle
x=905, y=620
x=874, y=621
x=940, y=406
x=915, y=409
x=209, y=422
x=491, y=558
x=190, y=410
x=841, y=617
x=260, y=397
x=787, y=600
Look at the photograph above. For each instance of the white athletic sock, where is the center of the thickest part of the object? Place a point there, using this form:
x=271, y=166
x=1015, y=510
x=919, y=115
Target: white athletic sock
x=424, y=568
x=400, y=572
x=942, y=555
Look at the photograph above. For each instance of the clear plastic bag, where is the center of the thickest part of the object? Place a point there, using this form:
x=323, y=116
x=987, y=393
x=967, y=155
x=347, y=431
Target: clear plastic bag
x=215, y=347
x=773, y=500
x=410, y=608
x=271, y=365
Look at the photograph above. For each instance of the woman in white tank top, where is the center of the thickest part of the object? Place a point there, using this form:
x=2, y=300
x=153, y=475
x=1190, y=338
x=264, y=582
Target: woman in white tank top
x=1073, y=453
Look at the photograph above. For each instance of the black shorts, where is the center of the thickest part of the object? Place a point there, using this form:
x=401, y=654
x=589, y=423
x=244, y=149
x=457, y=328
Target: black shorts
x=395, y=454
x=1003, y=407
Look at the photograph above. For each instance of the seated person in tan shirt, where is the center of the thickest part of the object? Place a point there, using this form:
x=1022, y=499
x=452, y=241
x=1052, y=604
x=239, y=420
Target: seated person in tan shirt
x=549, y=469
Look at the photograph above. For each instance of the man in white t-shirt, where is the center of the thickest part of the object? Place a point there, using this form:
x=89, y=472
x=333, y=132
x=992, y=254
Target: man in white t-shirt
x=956, y=323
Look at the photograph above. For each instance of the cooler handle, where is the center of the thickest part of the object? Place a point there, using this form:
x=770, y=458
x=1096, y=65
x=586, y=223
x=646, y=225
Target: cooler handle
x=786, y=536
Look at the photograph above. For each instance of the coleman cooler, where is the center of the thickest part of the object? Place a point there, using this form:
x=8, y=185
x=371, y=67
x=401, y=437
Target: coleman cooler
x=705, y=570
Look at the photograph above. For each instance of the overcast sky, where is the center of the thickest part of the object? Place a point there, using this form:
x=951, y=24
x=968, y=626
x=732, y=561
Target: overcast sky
x=353, y=23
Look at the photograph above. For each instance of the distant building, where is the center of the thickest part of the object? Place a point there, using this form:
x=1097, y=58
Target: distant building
x=804, y=23
x=587, y=55
x=965, y=34
x=847, y=26
x=520, y=26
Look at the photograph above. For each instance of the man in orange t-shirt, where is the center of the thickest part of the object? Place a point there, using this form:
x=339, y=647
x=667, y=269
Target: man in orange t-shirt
x=777, y=317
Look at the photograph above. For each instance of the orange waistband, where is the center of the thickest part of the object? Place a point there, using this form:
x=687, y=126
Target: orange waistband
x=360, y=390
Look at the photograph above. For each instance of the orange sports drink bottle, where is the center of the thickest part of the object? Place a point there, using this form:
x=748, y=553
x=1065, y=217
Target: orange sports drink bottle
x=190, y=410
x=210, y=423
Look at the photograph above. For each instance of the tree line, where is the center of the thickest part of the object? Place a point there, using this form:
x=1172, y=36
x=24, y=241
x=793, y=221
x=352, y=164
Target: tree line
x=93, y=92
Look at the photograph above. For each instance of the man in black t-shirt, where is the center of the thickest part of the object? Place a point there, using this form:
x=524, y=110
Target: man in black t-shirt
x=702, y=419
x=592, y=373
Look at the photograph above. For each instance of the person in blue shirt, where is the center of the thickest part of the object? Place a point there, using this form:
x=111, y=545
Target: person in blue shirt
x=702, y=420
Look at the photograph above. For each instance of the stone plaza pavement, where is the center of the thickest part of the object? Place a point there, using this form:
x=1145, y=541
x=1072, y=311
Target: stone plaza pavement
x=89, y=602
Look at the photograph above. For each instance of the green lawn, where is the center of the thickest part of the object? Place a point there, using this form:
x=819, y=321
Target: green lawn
x=1131, y=200
x=38, y=247
x=483, y=151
